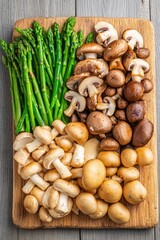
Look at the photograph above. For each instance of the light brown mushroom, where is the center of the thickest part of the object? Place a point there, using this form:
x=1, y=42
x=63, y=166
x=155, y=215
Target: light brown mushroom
x=38, y=194
x=50, y=198
x=22, y=139
x=109, y=158
x=51, y=175
x=91, y=149
x=43, y=135
x=128, y=157
x=63, y=143
x=31, y=204
x=59, y=126
x=128, y=174
x=97, y=67
x=89, y=50
x=119, y=213
x=27, y=188
x=21, y=156
x=117, y=64
x=144, y=156
x=78, y=102
x=122, y=132
x=76, y=172
x=78, y=156
x=63, y=204
x=66, y=187
x=44, y=215
x=78, y=131
x=86, y=203
x=102, y=208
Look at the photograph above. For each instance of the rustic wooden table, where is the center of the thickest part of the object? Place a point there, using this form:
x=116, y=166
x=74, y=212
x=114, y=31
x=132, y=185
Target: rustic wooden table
x=12, y=10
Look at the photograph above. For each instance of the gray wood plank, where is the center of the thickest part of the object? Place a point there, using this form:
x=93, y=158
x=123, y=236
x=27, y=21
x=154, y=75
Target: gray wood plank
x=155, y=18
x=110, y=8
x=10, y=11
x=116, y=8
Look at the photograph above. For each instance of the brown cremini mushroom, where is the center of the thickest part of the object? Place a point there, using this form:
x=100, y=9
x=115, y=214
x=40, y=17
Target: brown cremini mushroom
x=117, y=64
x=109, y=144
x=115, y=49
x=147, y=85
x=97, y=67
x=98, y=123
x=120, y=114
x=135, y=111
x=109, y=158
x=142, y=53
x=115, y=78
x=142, y=133
x=122, y=132
x=122, y=103
x=133, y=91
x=89, y=50
x=110, y=92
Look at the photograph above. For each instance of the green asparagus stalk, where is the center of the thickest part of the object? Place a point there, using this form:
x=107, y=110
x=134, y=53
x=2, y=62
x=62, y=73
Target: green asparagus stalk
x=51, y=46
x=67, y=34
x=80, y=36
x=38, y=32
x=57, y=77
x=90, y=37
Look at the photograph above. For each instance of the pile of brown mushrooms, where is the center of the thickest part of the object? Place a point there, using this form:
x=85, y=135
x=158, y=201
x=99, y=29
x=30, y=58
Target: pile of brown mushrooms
x=90, y=164
x=108, y=85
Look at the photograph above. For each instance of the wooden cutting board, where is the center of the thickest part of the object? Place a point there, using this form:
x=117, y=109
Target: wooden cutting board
x=143, y=215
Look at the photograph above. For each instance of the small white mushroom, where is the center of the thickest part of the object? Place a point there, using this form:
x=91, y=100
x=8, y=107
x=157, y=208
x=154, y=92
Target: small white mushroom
x=63, y=143
x=50, y=198
x=39, y=181
x=78, y=103
x=55, y=214
x=62, y=204
x=133, y=38
x=21, y=156
x=138, y=67
x=38, y=194
x=38, y=153
x=66, y=159
x=44, y=215
x=78, y=156
x=52, y=159
x=51, y=175
x=22, y=139
x=31, y=204
x=106, y=33
x=66, y=187
x=91, y=149
x=43, y=135
x=59, y=126
x=33, y=145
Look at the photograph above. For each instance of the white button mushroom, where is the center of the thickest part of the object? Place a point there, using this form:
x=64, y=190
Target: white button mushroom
x=62, y=204
x=91, y=149
x=44, y=215
x=22, y=139
x=21, y=156
x=27, y=188
x=52, y=159
x=38, y=194
x=50, y=198
x=66, y=187
x=106, y=33
x=31, y=204
x=86, y=202
x=78, y=156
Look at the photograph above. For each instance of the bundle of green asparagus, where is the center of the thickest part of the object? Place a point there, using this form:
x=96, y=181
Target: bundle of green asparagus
x=39, y=62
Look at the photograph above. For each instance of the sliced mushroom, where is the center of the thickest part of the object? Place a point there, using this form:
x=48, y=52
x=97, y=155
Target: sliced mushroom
x=72, y=82
x=78, y=102
x=89, y=50
x=110, y=109
x=133, y=38
x=96, y=67
x=106, y=33
x=138, y=67
x=117, y=64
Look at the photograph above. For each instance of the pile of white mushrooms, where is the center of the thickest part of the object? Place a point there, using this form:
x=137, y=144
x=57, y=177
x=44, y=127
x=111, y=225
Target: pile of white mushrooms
x=63, y=171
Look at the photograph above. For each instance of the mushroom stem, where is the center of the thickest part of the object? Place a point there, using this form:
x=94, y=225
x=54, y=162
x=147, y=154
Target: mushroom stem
x=37, y=180
x=33, y=145
x=90, y=55
x=102, y=106
x=27, y=188
x=78, y=156
x=92, y=90
x=137, y=73
x=69, y=111
x=62, y=205
x=62, y=169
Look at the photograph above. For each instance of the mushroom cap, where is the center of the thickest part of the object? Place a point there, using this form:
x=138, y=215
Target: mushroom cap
x=109, y=158
x=147, y=84
x=133, y=38
x=31, y=204
x=91, y=149
x=43, y=135
x=98, y=123
x=30, y=169
x=115, y=49
x=89, y=48
x=106, y=33
x=144, y=156
x=44, y=215
x=119, y=213
x=128, y=174
x=79, y=101
x=102, y=208
x=68, y=188
x=127, y=58
x=115, y=78
x=86, y=85
x=135, y=111
x=95, y=168
x=72, y=82
x=128, y=157
x=59, y=126
x=142, y=53
x=122, y=132
x=142, y=133
x=86, y=202
x=78, y=131
x=50, y=198
x=110, y=191
x=22, y=139
x=96, y=67
x=133, y=91
x=134, y=192
x=52, y=155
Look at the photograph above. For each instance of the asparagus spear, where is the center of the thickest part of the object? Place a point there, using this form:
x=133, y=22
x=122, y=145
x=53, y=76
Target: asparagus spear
x=38, y=32
x=72, y=54
x=57, y=77
x=80, y=36
x=51, y=46
x=22, y=53
x=90, y=37
x=70, y=23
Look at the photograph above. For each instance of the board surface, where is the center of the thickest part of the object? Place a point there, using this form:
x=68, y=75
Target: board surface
x=143, y=215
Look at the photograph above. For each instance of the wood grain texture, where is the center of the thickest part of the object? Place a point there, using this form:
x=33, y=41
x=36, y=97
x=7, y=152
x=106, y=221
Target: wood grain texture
x=143, y=215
